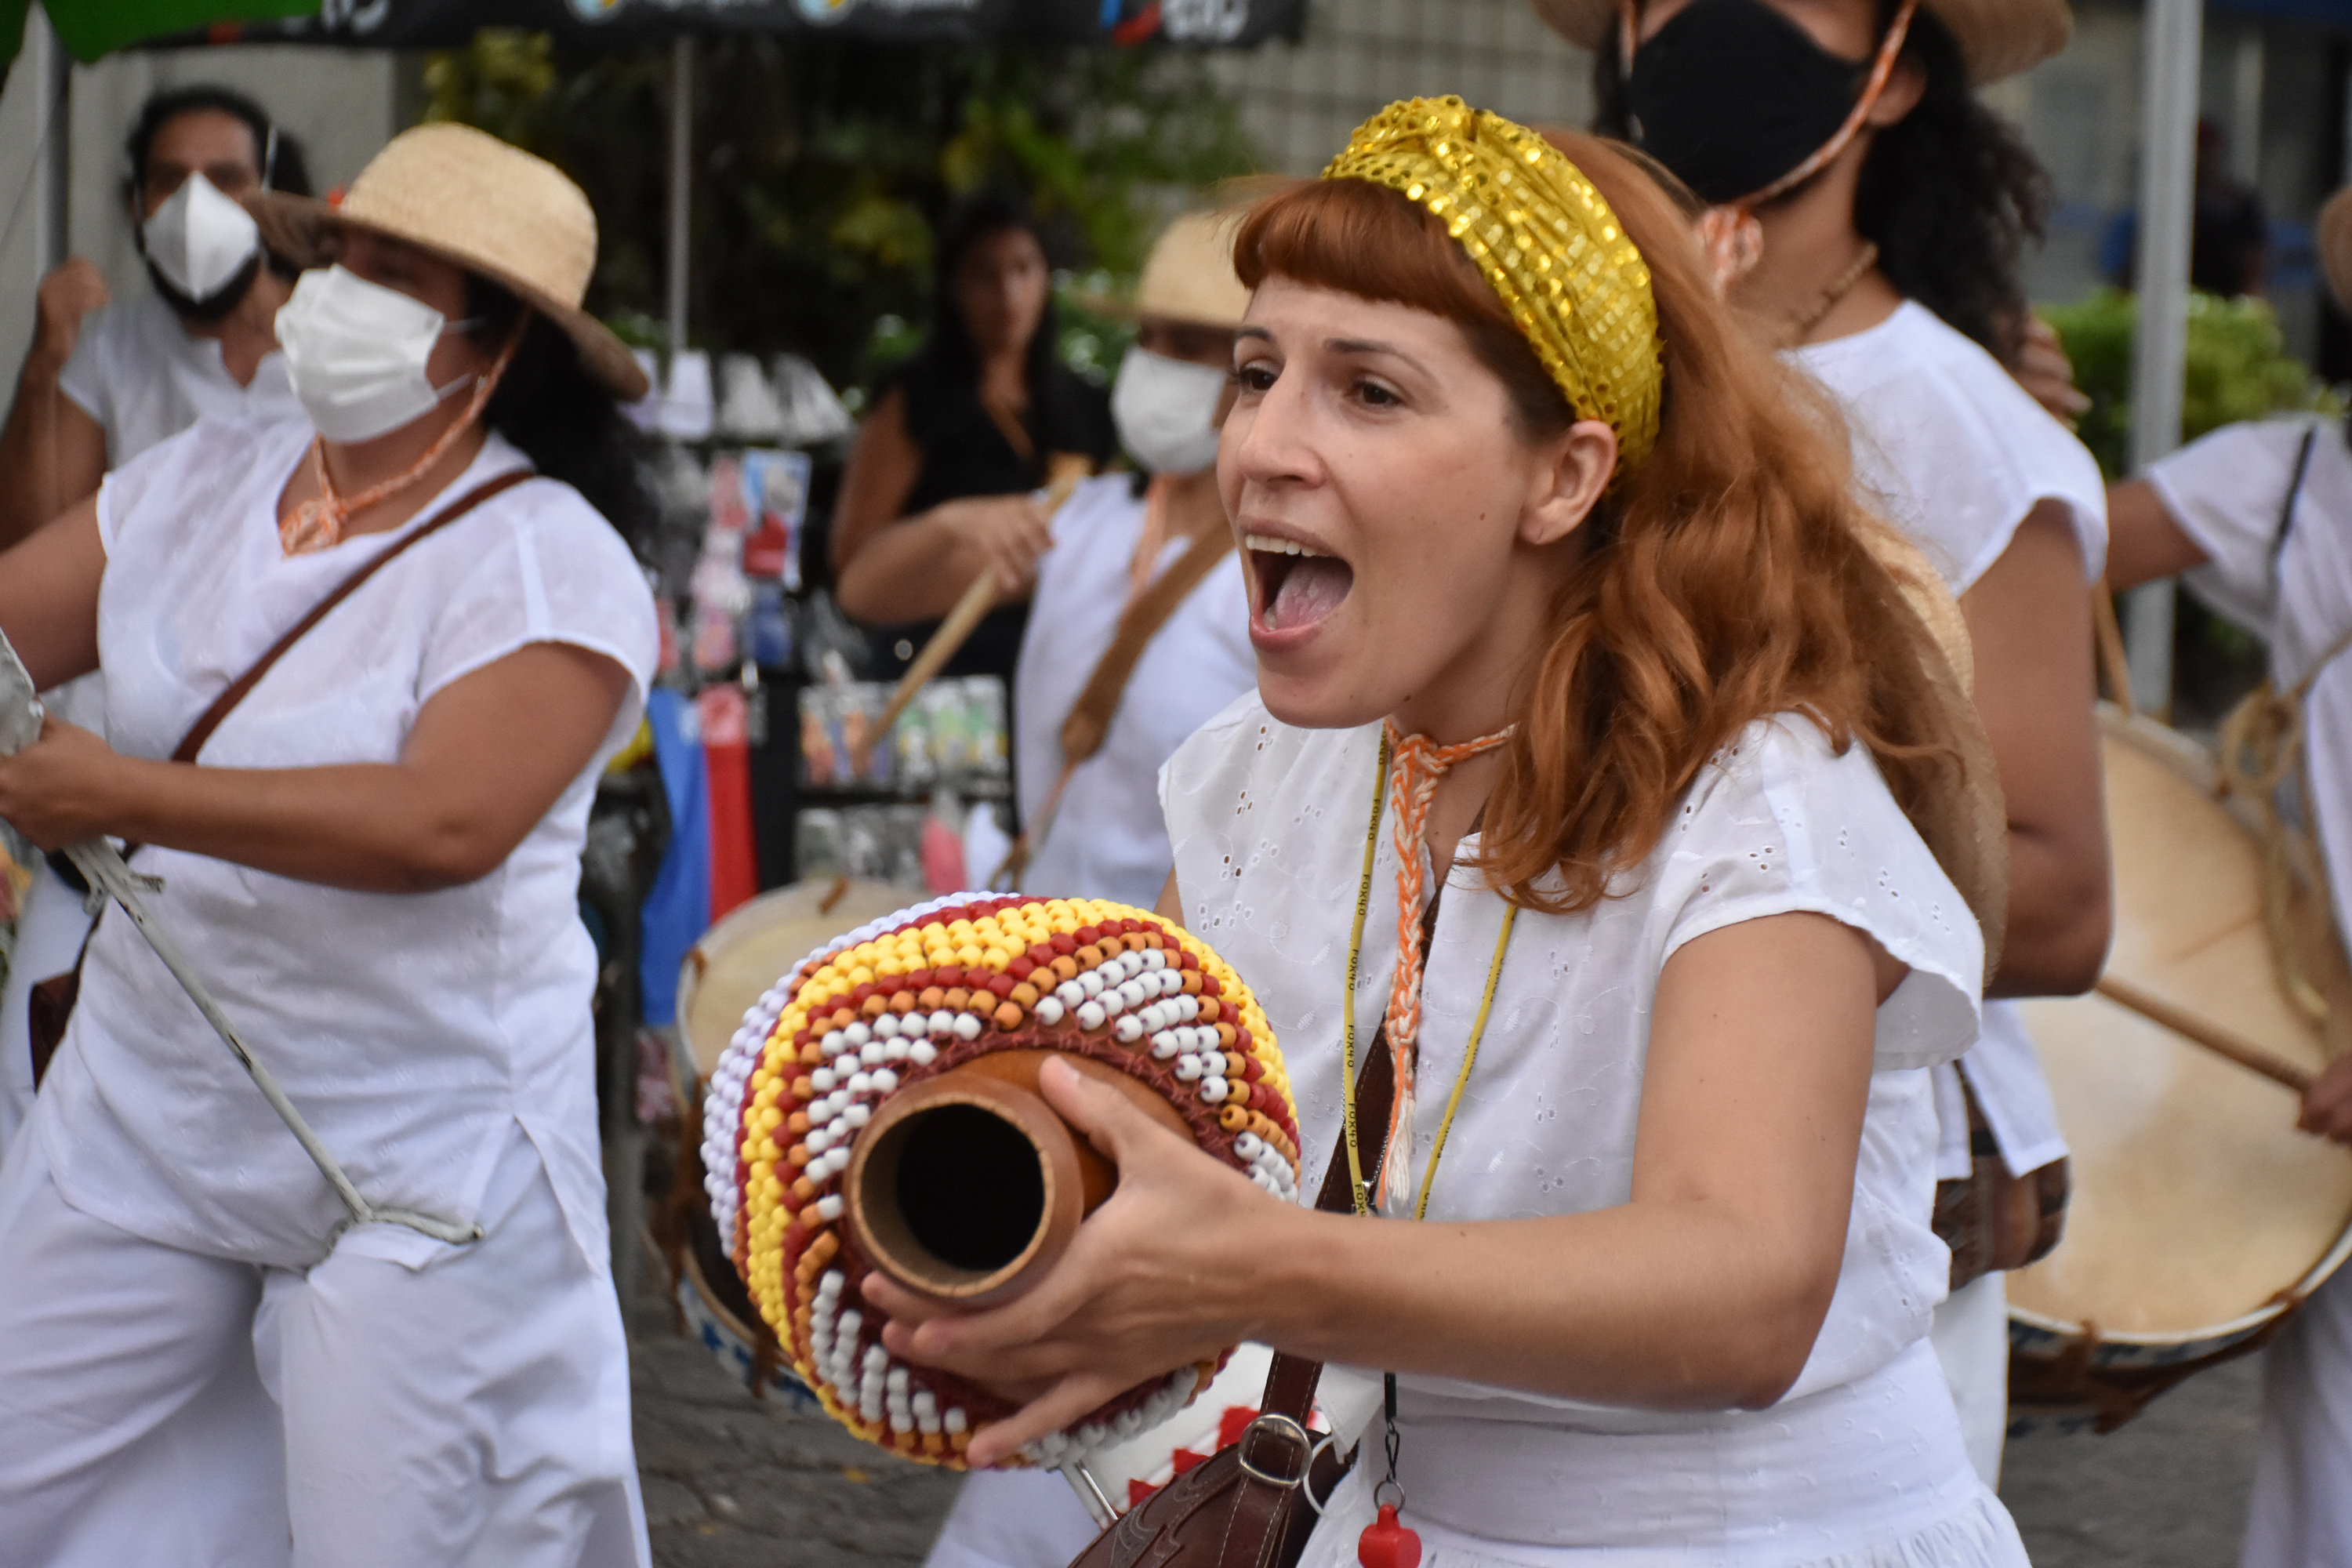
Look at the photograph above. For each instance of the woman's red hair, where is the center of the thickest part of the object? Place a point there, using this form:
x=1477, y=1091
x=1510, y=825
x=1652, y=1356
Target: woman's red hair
x=1728, y=577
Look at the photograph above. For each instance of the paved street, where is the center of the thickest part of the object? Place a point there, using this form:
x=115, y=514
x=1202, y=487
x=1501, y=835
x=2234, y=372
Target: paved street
x=730, y=1484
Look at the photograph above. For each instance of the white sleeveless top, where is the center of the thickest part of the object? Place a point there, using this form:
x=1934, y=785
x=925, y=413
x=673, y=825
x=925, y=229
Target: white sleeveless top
x=1268, y=824
x=412, y=1030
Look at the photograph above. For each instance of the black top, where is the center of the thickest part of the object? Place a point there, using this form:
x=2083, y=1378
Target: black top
x=965, y=454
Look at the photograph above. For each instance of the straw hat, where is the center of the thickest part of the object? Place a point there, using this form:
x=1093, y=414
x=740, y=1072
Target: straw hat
x=2336, y=246
x=1189, y=276
x=1997, y=38
x=489, y=207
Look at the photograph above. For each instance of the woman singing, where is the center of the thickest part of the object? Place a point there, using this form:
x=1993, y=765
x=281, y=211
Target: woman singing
x=1598, y=794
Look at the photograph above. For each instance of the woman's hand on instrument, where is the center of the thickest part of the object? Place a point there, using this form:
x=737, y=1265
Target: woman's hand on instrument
x=1007, y=533
x=2327, y=1104
x=1157, y=1277
x=56, y=791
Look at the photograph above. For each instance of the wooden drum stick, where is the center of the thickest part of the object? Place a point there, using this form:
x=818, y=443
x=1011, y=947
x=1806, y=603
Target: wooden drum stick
x=2221, y=1042
x=1067, y=470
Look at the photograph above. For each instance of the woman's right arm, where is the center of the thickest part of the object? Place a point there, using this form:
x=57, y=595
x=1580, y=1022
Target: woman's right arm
x=48, y=595
x=2143, y=542
x=884, y=464
x=916, y=569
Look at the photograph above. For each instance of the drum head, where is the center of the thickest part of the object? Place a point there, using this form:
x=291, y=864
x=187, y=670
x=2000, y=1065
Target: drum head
x=2196, y=1201
x=757, y=945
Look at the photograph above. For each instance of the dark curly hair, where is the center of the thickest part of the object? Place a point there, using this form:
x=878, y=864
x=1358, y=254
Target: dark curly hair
x=1950, y=194
x=564, y=422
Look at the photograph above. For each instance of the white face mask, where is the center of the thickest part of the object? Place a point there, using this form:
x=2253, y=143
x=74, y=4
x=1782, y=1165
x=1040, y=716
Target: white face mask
x=356, y=352
x=200, y=240
x=1166, y=411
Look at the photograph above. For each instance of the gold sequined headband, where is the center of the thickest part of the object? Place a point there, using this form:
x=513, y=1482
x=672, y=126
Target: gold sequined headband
x=1546, y=241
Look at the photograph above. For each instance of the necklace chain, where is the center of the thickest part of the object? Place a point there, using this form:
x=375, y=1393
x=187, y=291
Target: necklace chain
x=1806, y=320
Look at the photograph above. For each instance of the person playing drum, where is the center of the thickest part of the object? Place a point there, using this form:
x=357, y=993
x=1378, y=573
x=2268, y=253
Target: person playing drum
x=373, y=863
x=1868, y=210
x=2257, y=519
x=1564, y=609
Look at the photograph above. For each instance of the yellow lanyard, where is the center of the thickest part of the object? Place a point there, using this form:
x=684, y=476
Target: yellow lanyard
x=1347, y=1019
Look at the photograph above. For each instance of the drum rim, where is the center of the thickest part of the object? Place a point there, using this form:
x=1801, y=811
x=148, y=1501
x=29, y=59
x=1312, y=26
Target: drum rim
x=2238, y=1327
x=705, y=949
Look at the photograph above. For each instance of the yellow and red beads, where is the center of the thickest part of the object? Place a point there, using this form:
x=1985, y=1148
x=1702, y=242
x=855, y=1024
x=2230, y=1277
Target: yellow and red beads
x=914, y=994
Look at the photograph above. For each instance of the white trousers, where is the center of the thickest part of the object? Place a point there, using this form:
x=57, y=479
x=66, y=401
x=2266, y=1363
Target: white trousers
x=1014, y=1519
x=2300, y=1512
x=49, y=930
x=1971, y=1340
x=183, y=1411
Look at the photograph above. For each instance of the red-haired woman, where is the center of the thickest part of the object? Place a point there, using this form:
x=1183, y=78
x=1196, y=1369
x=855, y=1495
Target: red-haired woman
x=1562, y=604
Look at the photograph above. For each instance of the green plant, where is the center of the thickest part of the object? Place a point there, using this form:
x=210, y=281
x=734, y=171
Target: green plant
x=2238, y=368
x=820, y=168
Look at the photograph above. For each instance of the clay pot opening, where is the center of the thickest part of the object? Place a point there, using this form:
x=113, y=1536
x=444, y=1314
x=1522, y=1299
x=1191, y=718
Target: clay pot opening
x=968, y=1190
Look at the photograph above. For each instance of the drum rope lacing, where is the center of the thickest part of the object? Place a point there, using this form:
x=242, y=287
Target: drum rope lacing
x=2262, y=746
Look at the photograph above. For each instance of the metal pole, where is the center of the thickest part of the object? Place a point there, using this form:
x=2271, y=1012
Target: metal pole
x=681, y=181
x=51, y=234
x=2159, y=342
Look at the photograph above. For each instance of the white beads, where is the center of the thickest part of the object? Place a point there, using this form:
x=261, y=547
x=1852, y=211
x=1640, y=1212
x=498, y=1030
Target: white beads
x=1091, y=1015
x=1164, y=1045
x=1213, y=1088
x=861, y=1083
x=873, y=1052
x=1247, y=1146
x=823, y=1080
x=834, y=1040
x=857, y=1033
x=923, y=1053
x=941, y=1024
x=885, y=1080
x=1090, y=983
x=955, y=1420
x=1070, y=994
x=967, y=1027
x=1154, y=959
x=1130, y=1029
x=887, y=1026
x=1188, y=1069
x=858, y=1115
x=1050, y=1009
x=829, y=1207
x=1131, y=992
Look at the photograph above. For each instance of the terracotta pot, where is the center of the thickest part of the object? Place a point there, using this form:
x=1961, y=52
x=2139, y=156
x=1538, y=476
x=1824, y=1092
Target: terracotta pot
x=967, y=1187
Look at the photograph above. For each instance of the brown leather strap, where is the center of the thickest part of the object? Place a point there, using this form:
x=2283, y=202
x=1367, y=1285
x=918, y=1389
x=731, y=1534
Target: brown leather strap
x=242, y=686
x=1084, y=731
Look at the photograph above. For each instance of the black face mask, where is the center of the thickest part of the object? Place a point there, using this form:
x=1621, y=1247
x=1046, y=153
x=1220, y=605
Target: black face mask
x=1731, y=95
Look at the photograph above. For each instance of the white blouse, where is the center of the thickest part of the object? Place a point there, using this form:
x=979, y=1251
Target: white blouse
x=1957, y=455
x=1269, y=822
x=2226, y=492
x=412, y=1030
x=1107, y=840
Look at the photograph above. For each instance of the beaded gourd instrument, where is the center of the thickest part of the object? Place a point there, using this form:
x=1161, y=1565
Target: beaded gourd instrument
x=919, y=994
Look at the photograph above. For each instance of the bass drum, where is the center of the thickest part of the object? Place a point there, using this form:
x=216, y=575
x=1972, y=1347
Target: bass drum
x=723, y=975
x=2201, y=1217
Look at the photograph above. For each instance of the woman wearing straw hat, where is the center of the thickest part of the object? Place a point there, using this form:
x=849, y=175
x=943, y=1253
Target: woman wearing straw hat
x=2257, y=519
x=1567, y=811
x=1135, y=572
x=1866, y=211
x=370, y=854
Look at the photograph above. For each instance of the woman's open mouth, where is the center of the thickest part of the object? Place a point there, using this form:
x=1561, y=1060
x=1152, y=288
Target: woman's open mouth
x=1296, y=584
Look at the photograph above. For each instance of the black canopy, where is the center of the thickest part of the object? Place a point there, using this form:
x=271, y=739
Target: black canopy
x=438, y=24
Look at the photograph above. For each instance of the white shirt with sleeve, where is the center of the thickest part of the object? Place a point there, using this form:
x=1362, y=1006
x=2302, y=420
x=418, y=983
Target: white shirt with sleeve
x=1957, y=454
x=2228, y=493
x=414, y=1030
x=1108, y=839
x=140, y=375
x=1861, y=1462
x=145, y=378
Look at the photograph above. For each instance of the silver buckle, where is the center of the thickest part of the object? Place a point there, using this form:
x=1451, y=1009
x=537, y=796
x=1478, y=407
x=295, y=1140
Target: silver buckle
x=1289, y=1428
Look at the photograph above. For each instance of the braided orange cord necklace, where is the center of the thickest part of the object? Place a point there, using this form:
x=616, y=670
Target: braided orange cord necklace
x=1417, y=764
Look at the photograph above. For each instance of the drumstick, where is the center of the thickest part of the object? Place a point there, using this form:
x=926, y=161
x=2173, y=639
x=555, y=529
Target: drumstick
x=2196, y=1031
x=1067, y=470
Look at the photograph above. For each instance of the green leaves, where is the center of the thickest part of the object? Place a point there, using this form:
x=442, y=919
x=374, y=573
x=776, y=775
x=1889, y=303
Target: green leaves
x=2238, y=368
